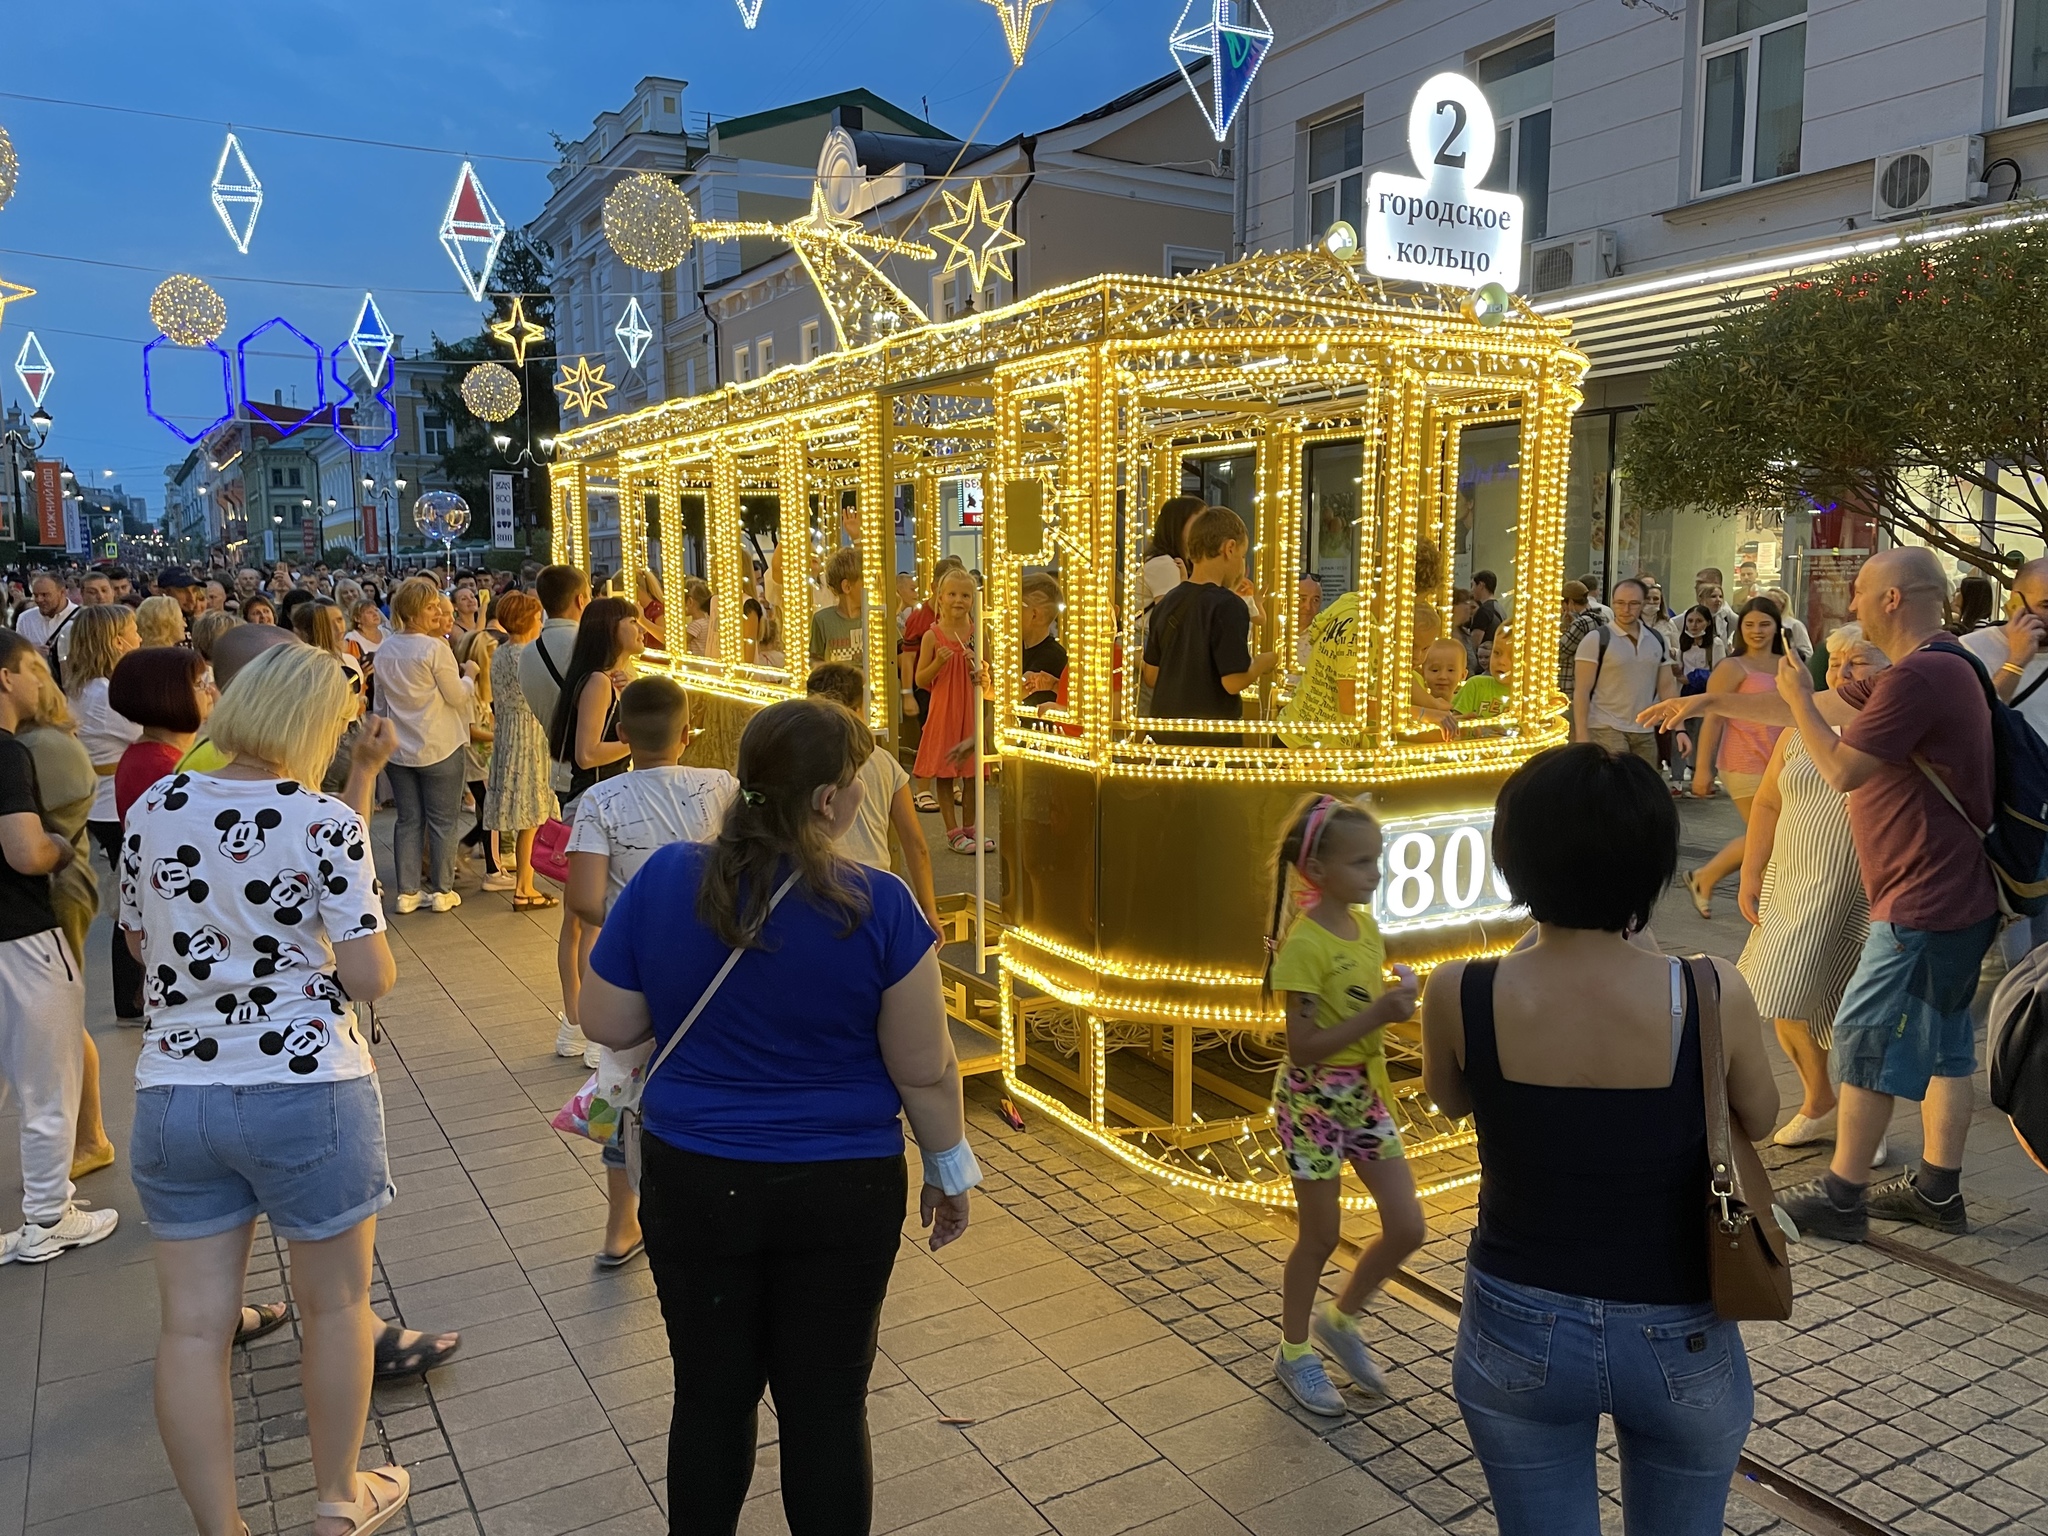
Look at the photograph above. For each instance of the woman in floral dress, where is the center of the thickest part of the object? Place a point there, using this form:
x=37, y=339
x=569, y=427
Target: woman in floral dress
x=519, y=799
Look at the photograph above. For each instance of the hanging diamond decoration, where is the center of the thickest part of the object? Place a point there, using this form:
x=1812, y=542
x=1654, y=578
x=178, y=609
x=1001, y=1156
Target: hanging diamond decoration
x=633, y=333
x=750, y=12
x=471, y=232
x=1017, y=16
x=1233, y=39
x=35, y=370
x=371, y=341
x=237, y=194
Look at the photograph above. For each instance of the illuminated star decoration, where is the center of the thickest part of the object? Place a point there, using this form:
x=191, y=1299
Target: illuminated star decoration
x=237, y=197
x=965, y=220
x=34, y=369
x=10, y=292
x=1017, y=17
x=371, y=341
x=516, y=331
x=471, y=232
x=1233, y=39
x=633, y=333
x=750, y=12
x=584, y=387
x=863, y=303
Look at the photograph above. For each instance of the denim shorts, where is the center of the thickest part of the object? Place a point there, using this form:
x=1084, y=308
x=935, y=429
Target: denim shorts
x=209, y=1158
x=1906, y=1015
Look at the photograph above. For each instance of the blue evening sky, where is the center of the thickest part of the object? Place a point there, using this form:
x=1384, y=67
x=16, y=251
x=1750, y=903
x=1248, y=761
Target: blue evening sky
x=110, y=202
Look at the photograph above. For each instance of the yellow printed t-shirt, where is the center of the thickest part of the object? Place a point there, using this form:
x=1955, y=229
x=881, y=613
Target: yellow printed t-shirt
x=1481, y=695
x=204, y=757
x=1343, y=975
x=1332, y=658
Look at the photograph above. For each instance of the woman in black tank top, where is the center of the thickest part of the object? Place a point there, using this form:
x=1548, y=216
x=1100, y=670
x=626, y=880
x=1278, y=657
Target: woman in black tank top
x=1578, y=1058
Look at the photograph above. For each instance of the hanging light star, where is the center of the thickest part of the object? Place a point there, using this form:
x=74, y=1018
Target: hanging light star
x=633, y=332
x=976, y=217
x=9, y=292
x=371, y=341
x=237, y=196
x=1233, y=40
x=516, y=331
x=471, y=231
x=750, y=12
x=35, y=370
x=584, y=387
x=1017, y=18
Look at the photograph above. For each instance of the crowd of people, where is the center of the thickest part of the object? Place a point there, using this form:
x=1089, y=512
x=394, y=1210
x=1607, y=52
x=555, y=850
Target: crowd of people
x=226, y=769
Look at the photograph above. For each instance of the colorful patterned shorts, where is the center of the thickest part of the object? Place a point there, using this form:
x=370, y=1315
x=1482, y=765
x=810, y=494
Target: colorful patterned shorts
x=1328, y=1116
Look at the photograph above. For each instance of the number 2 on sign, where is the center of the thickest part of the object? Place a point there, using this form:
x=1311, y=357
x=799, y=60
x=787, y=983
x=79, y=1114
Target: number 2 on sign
x=1443, y=151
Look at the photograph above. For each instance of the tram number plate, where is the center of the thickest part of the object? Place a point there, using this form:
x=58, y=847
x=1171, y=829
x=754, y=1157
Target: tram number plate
x=1436, y=870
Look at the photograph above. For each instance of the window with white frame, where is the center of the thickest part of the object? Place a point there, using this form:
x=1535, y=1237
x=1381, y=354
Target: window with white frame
x=2026, y=66
x=742, y=364
x=764, y=356
x=1752, y=90
x=1517, y=84
x=1186, y=260
x=1336, y=174
x=812, y=339
x=954, y=295
x=435, y=437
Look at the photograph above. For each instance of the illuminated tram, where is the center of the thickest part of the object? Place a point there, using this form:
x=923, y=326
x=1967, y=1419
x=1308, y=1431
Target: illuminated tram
x=1133, y=878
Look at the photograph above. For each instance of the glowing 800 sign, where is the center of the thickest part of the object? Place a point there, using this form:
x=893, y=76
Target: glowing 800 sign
x=1436, y=870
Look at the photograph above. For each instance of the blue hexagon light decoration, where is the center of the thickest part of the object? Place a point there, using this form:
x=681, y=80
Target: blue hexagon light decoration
x=283, y=429
x=227, y=389
x=352, y=396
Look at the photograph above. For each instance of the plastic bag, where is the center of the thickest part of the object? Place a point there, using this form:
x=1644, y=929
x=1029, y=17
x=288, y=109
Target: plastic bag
x=593, y=1110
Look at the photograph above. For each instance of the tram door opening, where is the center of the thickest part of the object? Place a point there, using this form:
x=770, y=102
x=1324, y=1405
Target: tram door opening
x=1228, y=480
x=1333, y=493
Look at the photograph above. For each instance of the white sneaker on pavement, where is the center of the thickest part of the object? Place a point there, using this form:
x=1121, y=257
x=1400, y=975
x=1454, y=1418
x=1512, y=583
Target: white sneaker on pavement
x=1883, y=1153
x=590, y=1056
x=444, y=901
x=77, y=1228
x=503, y=880
x=569, y=1039
x=1800, y=1131
x=408, y=901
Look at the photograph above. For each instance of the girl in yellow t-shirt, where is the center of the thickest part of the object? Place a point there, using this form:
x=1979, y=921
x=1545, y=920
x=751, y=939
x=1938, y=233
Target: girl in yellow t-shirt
x=1332, y=1101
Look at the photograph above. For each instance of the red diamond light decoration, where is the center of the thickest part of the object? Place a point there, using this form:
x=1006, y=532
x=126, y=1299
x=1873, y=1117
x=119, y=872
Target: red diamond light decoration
x=35, y=370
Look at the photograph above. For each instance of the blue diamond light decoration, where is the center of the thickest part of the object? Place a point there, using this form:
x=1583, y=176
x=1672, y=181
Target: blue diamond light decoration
x=633, y=332
x=371, y=341
x=1233, y=37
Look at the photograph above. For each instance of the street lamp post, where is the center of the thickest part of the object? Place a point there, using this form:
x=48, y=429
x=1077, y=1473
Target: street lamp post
x=19, y=442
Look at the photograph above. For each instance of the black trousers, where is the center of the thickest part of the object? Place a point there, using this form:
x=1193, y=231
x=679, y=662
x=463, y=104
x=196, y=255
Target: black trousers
x=479, y=836
x=126, y=969
x=770, y=1275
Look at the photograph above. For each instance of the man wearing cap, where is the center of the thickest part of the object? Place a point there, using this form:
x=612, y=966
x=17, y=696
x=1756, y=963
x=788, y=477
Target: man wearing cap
x=177, y=582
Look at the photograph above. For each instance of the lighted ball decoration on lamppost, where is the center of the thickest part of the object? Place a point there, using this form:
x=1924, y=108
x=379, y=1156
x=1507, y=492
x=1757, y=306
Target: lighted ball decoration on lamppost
x=442, y=516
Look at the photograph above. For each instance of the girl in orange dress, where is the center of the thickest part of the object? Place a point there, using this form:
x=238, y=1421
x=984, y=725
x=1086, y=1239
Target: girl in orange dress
x=948, y=667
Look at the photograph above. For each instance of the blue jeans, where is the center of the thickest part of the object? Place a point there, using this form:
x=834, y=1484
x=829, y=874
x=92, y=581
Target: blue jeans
x=1905, y=1017
x=429, y=797
x=1534, y=1372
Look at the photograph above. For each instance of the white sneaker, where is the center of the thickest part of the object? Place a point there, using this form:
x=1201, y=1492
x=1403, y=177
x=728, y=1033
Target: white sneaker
x=1883, y=1153
x=569, y=1039
x=408, y=901
x=503, y=880
x=77, y=1228
x=1799, y=1131
x=444, y=901
x=590, y=1056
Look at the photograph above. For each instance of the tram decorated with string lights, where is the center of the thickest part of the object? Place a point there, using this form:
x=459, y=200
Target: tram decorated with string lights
x=1133, y=878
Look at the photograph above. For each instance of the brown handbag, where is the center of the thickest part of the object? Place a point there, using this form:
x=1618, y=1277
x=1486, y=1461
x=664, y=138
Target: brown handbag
x=1747, y=1261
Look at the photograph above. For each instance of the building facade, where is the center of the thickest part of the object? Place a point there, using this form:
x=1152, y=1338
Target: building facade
x=1674, y=159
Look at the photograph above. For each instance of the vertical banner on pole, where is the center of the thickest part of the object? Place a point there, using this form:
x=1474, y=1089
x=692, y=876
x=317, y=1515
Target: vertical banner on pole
x=50, y=502
x=74, y=529
x=501, y=509
x=309, y=535
x=368, y=534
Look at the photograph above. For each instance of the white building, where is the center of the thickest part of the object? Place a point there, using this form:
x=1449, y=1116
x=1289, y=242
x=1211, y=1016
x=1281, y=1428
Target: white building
x=1674, y=157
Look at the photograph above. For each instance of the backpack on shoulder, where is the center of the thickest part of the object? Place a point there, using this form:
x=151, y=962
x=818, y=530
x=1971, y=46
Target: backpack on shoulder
x=2017, y=1030
x=2016, y=842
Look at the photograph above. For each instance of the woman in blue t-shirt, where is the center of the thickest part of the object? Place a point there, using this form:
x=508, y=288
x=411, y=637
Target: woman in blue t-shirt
x=773, y=1182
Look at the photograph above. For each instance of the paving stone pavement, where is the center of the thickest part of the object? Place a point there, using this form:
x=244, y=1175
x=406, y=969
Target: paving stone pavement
x=1107, y=1340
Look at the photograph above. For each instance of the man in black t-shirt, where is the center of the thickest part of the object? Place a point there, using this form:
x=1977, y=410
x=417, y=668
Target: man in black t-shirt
x=1044, y=658
x=42, y=992
x=1198, y=656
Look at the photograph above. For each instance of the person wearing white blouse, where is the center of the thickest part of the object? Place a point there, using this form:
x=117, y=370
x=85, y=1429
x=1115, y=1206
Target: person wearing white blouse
x=100, y=637
x=427, y=699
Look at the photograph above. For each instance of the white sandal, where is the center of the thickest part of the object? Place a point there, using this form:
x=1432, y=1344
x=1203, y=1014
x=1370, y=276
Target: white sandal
x=381, y=1494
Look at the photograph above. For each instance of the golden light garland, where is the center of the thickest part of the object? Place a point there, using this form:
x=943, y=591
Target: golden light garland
x=647, y=222
x=516, y=331
x=1075, y=409
x=187, y=310
x=977, y=236
x=1017, y=17
x=583, y=386
x=10, y=167
x=491, y=390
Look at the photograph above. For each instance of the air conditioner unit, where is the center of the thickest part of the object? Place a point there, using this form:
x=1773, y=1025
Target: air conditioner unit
x=1940, y=175
x=1571, y=262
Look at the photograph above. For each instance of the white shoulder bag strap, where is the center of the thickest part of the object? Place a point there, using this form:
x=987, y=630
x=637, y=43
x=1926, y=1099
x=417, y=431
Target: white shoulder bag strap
x=630, y=1117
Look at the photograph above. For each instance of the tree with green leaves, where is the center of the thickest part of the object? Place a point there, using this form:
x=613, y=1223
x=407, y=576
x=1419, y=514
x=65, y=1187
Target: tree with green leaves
x=522, y=271
x=1905, y=384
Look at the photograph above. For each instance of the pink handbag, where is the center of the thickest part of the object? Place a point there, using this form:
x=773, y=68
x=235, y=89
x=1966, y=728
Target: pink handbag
x=551, y=851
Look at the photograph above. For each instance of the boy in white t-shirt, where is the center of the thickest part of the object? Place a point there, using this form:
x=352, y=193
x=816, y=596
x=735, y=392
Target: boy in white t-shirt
x=885, y=800
x=620, y=822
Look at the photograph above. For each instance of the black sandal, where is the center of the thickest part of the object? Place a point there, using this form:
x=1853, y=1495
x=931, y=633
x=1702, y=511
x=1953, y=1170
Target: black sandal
x=427, y=1351
x=270, y=1316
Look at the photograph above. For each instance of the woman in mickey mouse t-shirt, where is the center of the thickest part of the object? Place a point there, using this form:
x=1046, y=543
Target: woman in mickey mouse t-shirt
x=252, y=904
